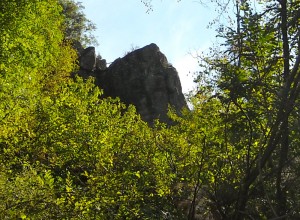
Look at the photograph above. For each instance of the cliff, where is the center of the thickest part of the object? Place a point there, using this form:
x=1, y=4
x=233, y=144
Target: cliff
x=143, y=78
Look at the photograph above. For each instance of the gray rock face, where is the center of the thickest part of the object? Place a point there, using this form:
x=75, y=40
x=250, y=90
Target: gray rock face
x=145, y=79
x=87, y=60
x=100, y=63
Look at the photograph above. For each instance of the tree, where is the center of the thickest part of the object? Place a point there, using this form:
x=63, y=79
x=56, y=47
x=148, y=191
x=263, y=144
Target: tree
x=65, y=153
x=33, y=57
x=77, y=26
x=257, y=81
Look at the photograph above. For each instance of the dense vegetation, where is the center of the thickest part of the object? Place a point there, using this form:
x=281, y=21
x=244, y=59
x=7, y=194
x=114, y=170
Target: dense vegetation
x=66, y=154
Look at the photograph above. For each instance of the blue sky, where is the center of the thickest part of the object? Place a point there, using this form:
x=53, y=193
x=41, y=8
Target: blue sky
x=178, y=28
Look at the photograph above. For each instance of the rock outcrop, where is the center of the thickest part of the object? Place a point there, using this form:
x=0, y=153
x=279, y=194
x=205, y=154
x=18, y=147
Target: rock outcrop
x=145, y=79
x=87, y=59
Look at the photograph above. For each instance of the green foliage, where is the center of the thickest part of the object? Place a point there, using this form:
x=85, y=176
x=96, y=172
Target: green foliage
x=32, y=57
x=254, y=79
x=77, y=26
x=65, y=153
x=26, y=194
x=100, y=160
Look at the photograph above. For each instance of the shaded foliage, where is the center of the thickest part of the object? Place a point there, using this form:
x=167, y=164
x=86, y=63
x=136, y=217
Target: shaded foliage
x=77, y=26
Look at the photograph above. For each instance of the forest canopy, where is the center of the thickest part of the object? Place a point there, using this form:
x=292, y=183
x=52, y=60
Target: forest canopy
x=65, y=153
